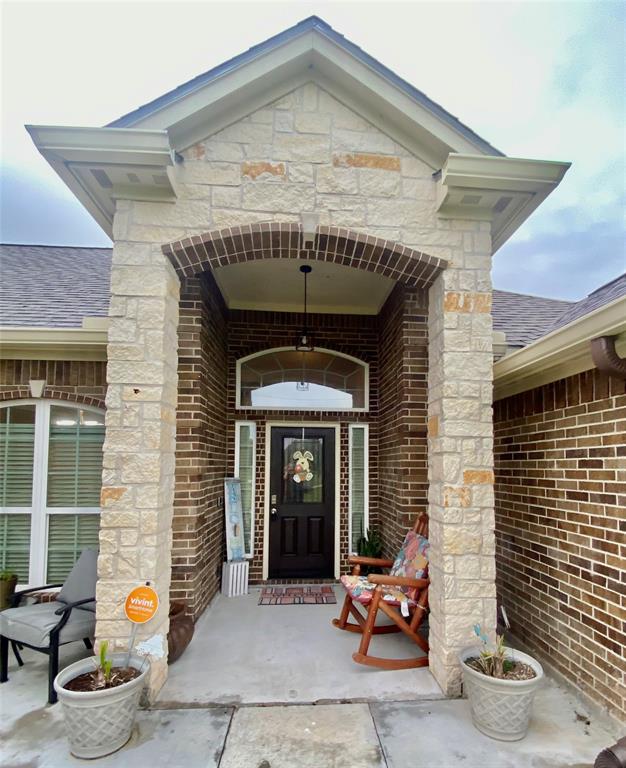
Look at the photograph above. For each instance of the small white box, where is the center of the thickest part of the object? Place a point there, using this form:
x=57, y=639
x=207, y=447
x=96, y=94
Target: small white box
x=235, y=578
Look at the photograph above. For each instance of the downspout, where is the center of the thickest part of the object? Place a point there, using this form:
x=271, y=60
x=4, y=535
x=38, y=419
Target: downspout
x=605, y=357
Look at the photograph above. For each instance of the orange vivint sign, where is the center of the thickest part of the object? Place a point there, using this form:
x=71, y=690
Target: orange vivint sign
x=141, y=604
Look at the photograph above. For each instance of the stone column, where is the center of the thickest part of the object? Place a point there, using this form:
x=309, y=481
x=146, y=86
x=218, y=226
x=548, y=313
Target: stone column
x=460, y=460
x=139, y=446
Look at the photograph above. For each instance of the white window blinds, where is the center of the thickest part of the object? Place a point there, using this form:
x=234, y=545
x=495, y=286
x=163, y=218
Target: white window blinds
x=358, y=452
x=245, y=470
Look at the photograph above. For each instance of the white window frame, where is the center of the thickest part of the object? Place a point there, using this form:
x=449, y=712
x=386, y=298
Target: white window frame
x=366, y=478
x=39, y=511
x=252, y=424
x=363, y=364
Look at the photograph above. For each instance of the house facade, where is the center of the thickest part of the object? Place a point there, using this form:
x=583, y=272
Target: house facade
x=303, y=151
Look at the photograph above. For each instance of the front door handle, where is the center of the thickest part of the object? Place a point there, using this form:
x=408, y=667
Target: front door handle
x=274, y=512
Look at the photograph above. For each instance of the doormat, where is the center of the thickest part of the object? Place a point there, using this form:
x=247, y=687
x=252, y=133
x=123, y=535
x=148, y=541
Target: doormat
x=297, y=596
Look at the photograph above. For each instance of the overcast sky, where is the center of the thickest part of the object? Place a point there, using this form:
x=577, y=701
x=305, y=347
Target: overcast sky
x=541, y=80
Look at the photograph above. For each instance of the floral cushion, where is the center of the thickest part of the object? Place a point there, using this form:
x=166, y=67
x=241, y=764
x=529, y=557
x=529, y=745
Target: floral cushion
x=361, y=590
x=412, y=559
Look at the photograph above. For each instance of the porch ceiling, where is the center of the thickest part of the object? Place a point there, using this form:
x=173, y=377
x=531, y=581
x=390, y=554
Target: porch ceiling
x=241, y=245
x=276, y=285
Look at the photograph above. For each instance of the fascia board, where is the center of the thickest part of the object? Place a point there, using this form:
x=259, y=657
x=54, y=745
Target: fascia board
x=194, y=116
x=562, y=346
x=513, y=174
x=53, y=343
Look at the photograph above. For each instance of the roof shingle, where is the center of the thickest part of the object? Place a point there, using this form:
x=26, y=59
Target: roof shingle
x=53, y=286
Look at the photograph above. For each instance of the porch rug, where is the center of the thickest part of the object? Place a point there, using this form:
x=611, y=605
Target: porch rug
x=297, y=596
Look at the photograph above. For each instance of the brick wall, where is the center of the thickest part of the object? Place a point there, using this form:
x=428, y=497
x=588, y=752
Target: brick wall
x=355, y=335
x=82, y=381
x=403, y=340
x=198, y=522
x=560, y=459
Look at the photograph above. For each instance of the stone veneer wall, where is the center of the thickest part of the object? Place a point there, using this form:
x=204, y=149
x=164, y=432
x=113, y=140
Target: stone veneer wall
x=560, y=459
x=79, y=381
x=198, y=523
x=308, y=152
x=403, y=345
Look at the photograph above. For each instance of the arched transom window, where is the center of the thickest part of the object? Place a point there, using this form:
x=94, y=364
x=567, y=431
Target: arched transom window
x=50, y=481
x=284, y=379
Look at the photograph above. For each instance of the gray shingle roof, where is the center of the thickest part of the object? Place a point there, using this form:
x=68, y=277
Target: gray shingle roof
x=525, y=318
x=53, y=286
x=605, y=294
x=302, y=27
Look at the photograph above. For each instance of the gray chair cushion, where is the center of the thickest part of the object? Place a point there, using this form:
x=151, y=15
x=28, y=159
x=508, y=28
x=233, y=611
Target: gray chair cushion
x=31, y=624
x=81, y=582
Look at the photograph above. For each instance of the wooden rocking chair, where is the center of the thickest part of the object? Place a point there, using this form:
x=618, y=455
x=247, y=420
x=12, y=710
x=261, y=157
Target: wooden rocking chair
x=406, y=584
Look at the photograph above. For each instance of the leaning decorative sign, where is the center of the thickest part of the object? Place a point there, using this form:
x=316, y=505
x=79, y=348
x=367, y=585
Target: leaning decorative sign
x=234, y=519
x=141, y=604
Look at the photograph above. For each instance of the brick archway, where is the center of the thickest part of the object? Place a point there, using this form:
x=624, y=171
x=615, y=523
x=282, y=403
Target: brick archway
x=283, y=240
x=21, y=392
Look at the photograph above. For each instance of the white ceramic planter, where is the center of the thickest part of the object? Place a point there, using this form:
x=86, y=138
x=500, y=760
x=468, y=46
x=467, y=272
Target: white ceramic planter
x=98, y=723
x=501, y=709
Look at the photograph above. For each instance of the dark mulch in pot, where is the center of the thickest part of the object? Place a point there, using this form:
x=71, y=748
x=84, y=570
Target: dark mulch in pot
x=519, y=670
x=89, y=681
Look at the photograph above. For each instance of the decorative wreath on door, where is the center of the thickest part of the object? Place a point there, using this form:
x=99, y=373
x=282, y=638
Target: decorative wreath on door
x=302, y=471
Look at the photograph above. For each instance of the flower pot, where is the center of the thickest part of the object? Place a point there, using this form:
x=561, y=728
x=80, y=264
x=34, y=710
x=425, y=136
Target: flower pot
x=500, y=709
x=180, y=632
x=98, y=723
x=7, y=588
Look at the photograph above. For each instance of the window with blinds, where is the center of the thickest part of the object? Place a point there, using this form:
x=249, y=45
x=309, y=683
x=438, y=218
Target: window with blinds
x=17, y=446
x=245, y=469
x=68, y=535
x=358, y=490
x=74, y=458
x=50, y=481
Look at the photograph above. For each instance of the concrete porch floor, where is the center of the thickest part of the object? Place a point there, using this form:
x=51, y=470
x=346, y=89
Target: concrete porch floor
x=245, y=653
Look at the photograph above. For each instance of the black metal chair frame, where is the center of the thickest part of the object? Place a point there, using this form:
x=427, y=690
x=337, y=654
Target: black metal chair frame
x=52, y=650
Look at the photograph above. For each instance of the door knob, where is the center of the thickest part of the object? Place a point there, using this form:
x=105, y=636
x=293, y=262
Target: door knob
x=274, y=511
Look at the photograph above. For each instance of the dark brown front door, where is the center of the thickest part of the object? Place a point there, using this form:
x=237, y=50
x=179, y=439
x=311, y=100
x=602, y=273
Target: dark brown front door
x=302, y=502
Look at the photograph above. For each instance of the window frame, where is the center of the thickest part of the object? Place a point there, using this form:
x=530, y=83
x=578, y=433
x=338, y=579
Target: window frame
x=252, y=425
x=366, y=478
x=334, y=353
x=39, y=509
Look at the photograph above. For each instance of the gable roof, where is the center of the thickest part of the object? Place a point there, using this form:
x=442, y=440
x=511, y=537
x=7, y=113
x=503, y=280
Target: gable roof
x=311, y=24
x=524, y=318
x=52, y=286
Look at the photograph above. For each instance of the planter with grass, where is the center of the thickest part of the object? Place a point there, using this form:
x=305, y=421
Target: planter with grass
x=8, y=582
x=99, y=698
x=500, y=684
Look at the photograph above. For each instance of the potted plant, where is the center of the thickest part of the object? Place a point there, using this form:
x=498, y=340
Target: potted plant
x=8, y=582
x=501, y=684
x=99, y=698
x=370, y=545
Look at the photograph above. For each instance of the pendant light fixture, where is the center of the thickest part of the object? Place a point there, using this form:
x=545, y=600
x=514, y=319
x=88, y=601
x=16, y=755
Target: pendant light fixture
x=304, y=342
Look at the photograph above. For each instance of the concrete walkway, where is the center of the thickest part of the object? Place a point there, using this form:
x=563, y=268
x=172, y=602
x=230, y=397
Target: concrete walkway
x=392, y=734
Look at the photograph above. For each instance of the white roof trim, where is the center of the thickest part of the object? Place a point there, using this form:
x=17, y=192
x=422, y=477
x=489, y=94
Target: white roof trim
x=35, y=343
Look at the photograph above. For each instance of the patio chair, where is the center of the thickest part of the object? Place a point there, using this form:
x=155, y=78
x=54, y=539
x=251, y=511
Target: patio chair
x=402, y=596
x=46, y=626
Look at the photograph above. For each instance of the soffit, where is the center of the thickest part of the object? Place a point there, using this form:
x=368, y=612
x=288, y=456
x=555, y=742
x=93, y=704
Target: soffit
x=276, y=285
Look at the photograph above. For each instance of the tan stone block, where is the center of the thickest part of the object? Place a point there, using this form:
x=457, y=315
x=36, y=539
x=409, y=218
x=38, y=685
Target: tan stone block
x=245, y=133
x=109, y=496
x=264, y=196
x=433, y=426
x=129, y=537
x=226, y=197
x=373, y=142
x=263, y=170
x=283, y=121
x=456, y=496
x=367, y=160
x=467, y=302
x=222, y=151
x=231, y=218
x=476, y=476
x=119, y=519
x=300, y=173
x=462, y=539
x=415, y=168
